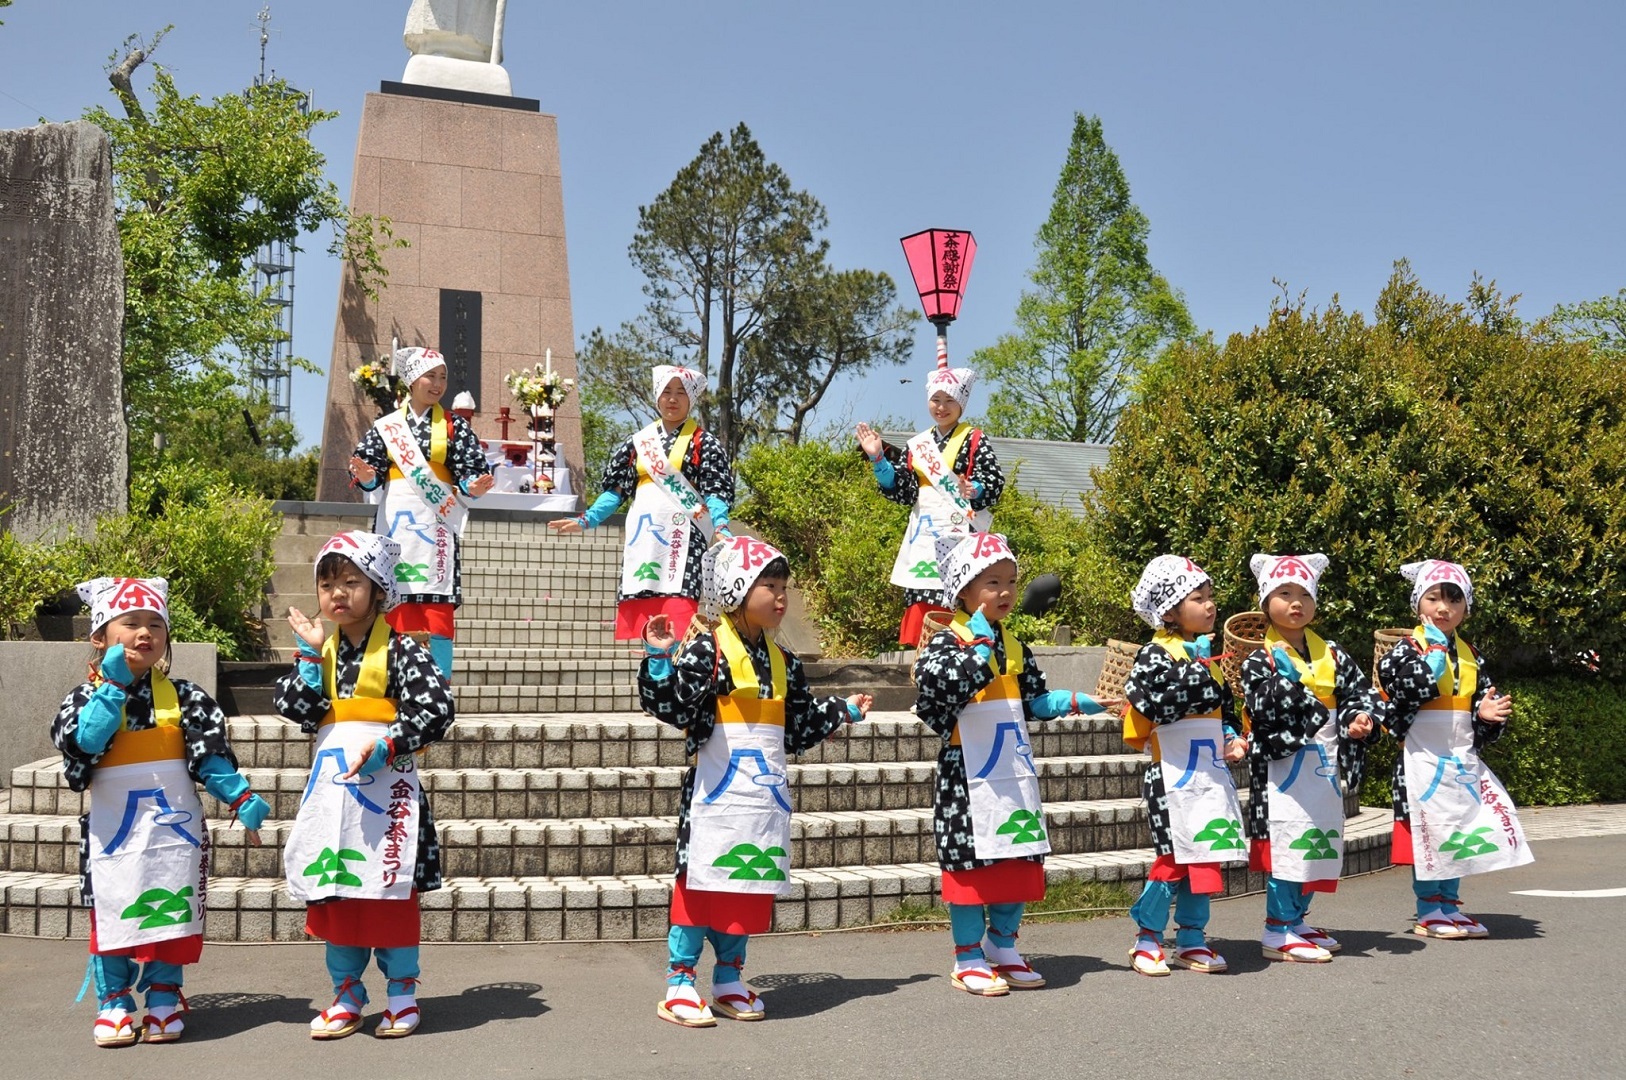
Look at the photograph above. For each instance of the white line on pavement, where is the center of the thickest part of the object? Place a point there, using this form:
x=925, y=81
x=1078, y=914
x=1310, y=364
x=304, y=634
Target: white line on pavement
x=1585, y=894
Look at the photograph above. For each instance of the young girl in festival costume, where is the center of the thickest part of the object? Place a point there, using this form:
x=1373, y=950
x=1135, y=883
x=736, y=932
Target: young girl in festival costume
x=743, y=703
x=1182, y=712
x=137, y=740
x=681, y=487
x=363, y=846
x=978, y=689
x=950, y=480
x=1452, y=815
x=429, y=456
x=1313, y=711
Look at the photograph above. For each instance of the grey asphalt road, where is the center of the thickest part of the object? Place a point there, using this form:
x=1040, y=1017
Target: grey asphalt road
x=1541, y=998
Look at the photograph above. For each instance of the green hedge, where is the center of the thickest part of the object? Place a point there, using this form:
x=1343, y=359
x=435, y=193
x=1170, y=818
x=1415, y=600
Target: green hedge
x=211, y=539
x=1563, y=747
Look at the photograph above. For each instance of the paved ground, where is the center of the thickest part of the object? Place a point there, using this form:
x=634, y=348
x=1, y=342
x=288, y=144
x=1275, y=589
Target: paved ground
x=1540, y=998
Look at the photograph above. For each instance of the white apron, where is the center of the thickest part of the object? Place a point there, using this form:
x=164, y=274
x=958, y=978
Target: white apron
x=739, y=816
x=663, y=505
x=1205, y=818
x=1462, y=821
x=1307, y=811
x=1305, y=792
x=939, y=510
x=420, y=510
x=149, y=843
x=355, y=838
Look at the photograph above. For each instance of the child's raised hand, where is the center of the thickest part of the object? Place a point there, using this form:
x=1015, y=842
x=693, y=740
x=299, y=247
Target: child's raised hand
x=869, y=440
x=1236, y=748
x=363, y=472
x=481, y=484
x=565, y=525
x=310, y=631
x=1495, y=708
x=1361, y=726
x=861, y=702
x=659, y=633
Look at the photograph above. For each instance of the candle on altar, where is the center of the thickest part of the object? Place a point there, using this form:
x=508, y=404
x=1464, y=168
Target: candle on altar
x=547, y=358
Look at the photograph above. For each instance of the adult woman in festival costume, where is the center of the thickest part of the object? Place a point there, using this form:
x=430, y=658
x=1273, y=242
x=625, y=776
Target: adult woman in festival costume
x=678, y=478
x=429, y=457
x=949, y=478
x=742, y=703
x=363, y=846
x=1452, y=815
x=137, y=740
x=979, y=687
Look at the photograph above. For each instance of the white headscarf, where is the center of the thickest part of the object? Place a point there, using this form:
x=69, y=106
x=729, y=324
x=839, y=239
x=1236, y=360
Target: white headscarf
x=374, y=555
x=960, y=558
x=729, y=569
x=955, y=382
x=1431, y=572
x=414, y=363
x=1167, y=580
x=694, y=383
x=1274, y=571
x=110, y=597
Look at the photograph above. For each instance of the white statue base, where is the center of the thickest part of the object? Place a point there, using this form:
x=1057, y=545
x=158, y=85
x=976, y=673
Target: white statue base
x=449, y=73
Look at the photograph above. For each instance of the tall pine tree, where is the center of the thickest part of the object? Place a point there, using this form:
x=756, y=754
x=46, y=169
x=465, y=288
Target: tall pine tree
x=1096, y=313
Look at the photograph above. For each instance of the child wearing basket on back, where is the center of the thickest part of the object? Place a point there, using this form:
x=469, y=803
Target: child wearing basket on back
x=1312, y=709
x=1180, y=707
x=1452, y=815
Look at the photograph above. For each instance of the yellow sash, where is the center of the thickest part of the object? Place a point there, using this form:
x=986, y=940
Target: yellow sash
x=746, y=705
x=951, y=449
x=1461, y=694
x=367, y=700
x=674, y=457
x=164, y=741
x=1004, y=687
x=1320, y=673
x=437, y=445
x=1138, y=728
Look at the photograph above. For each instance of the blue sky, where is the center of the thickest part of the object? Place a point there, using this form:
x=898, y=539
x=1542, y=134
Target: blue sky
x=1314, y=143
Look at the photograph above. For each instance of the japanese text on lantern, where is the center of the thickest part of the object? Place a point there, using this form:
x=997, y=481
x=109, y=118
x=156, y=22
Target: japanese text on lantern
x=950, y=262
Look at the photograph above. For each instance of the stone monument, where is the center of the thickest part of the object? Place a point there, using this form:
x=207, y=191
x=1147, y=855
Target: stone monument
x=469, y=176
x=64, y=446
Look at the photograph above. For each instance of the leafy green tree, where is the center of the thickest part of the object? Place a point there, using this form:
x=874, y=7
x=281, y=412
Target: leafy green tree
x=725, y=250
x=1097, y=312
x=602, y=431
x=1430, y=430
x=1601, y=322
x=199, y=188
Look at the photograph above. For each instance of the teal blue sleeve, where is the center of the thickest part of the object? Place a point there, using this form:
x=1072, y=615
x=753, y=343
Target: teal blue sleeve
x=221, y=780
x=885, y=474
x=603, y=506
x=718, y=510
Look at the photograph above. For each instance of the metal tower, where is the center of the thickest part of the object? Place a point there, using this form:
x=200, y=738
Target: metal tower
x=272, y=371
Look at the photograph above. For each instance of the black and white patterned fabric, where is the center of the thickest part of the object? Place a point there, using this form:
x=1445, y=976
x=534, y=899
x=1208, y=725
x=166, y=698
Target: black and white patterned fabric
x=1286, y=715
x=424, y=711
x=464, y=458
x=712, y=477
x=202, y=722
x=1165, y=689
x=1404, y=676
x=687, y=700
x=985, y=470
x=948, y=674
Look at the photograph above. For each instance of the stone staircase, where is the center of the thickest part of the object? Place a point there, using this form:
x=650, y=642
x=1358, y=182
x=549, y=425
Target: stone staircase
x=557, y=807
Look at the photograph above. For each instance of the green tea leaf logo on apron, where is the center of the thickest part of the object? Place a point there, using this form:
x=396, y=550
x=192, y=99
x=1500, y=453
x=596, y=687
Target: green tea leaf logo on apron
x=1023, y=827
x=924, y=568
x=1316, y=844
x=330, y=865
x=649, y=571
x=1468, y=844
x=1221, y=834
x=411, y=573
x=161, y=907
x=751, y=863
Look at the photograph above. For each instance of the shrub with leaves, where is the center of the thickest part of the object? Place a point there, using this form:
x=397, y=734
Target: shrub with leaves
x=1436, y=429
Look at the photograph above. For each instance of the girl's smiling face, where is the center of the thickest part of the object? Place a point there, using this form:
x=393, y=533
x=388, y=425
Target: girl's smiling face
x=144, y=635
x=944, y=410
